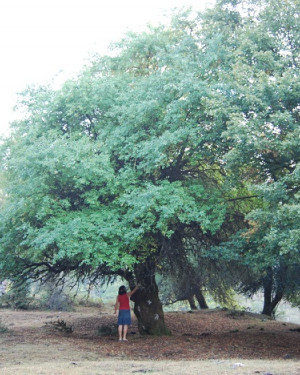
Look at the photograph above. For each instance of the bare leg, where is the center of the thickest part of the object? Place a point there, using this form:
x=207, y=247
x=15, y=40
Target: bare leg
x=125, y=332
x=120, y=328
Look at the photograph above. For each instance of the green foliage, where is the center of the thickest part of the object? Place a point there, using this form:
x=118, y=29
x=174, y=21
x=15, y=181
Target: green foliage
x=101, y=167
x=17, y=297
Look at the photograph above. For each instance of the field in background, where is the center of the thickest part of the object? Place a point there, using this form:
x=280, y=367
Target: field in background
x=285, y=312
x=51, y=297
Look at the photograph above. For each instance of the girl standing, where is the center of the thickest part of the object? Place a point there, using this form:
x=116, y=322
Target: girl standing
x=124, y=318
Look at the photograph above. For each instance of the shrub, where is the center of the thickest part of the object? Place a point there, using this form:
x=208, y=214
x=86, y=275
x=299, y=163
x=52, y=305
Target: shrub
x=108, y=330
x=17, y=297
x=58, y=300
x=3, y=328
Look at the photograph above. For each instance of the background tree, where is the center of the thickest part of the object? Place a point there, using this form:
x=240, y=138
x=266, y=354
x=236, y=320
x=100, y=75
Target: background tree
x=262, y=92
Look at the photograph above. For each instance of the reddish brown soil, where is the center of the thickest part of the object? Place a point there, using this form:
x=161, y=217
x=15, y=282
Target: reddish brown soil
x=199, y=335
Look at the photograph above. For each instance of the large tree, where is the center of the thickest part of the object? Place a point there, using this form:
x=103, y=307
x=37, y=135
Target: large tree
x=102, y=172
x=139, y=149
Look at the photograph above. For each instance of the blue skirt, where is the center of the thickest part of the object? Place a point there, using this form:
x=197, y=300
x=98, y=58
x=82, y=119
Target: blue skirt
x=124, y=318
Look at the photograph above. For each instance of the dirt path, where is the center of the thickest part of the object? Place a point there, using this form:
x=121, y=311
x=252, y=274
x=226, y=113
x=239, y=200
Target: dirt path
x=215, y=338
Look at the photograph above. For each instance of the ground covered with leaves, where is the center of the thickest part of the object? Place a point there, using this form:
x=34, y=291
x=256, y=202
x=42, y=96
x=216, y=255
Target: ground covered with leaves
x=89, y=334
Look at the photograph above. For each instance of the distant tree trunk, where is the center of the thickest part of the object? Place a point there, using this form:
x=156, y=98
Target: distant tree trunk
x=192, y=303
x=270, y=302
x=201, y=300
x=147, y=305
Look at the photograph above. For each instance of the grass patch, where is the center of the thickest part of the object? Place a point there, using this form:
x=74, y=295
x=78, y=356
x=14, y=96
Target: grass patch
x=112, y=367
x=3, y=328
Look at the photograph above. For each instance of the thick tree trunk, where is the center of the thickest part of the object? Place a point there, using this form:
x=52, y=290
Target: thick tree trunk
x=201, y=300
x=147, y=305
x=270, y=303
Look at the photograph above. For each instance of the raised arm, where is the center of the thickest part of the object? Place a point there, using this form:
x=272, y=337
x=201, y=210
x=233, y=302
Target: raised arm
x=133, y=291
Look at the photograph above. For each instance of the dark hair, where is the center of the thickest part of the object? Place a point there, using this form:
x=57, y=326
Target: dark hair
x=122, y=290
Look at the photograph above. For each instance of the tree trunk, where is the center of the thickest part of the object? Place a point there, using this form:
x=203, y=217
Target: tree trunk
x=201, y=300
x=269, y=303
x=147, y=305
x=192, y=303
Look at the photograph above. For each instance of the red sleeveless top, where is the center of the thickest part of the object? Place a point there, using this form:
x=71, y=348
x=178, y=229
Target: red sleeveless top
x=124, y=302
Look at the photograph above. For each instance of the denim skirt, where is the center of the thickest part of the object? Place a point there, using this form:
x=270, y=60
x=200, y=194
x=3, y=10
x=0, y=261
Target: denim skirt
x=124, y=317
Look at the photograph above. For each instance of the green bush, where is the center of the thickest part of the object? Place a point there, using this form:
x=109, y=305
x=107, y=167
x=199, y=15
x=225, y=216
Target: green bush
x=17, y=297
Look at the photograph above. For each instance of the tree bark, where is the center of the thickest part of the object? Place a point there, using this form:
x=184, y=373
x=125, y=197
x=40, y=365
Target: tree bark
x=147, y=305
x=192, y=303
x=201, y=300
x=269, y=302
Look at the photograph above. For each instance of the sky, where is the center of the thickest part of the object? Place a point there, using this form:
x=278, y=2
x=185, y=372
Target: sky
x=44, y=39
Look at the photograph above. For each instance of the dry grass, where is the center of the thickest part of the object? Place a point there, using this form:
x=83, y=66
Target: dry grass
x=212, y=342
x=109, y=367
